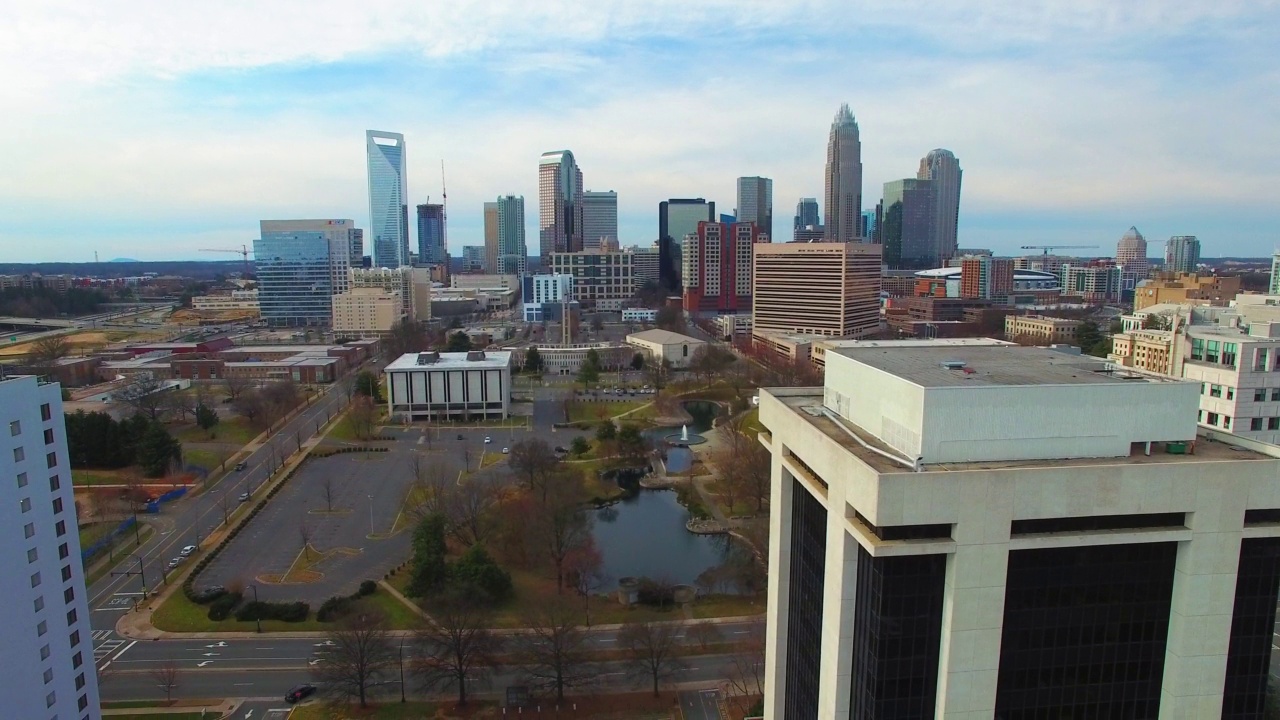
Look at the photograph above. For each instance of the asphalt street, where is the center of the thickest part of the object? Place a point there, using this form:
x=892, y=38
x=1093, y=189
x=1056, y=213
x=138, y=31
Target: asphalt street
x=700, y=705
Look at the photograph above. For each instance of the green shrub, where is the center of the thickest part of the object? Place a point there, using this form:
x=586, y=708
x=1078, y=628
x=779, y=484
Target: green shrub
x=333, y=609
x=221, y=608
x=285, y=612
x=368, y=587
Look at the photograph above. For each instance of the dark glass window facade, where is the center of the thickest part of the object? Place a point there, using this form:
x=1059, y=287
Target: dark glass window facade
x=1084, y=632
x=897, y=628
x=804, y=604
x=1252, y=625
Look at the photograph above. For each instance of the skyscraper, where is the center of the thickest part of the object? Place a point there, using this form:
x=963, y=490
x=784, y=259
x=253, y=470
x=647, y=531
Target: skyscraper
x=599, y=217
x=559, y=204
x=869, y=225
x=512, y=254
x=941, y=168
x=431, y=249
x=491, y=238
x=1274, y=285
x=357, y=247
x=388, y=209
x=678, y=217
x=716, y=267
x=818, y=288
x=844, y=178
x=1131, y=251
x=807, y=214
x=301, y=265
x=908, y=222
x=48, y=665
x=1181, y=254
x=755, y=203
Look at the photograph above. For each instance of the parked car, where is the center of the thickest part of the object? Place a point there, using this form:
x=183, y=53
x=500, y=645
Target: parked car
x=175, y=562
x=241, y=465
x=487, y=439
x=186, y=551
x=298, y=693
x=506, y=451
x=561, y=449
x=244, y=497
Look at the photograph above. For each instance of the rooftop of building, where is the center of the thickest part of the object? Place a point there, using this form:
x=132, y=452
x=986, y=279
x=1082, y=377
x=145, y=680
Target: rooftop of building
x=1209, y=447
x=662, y=337
x=955, y=273
x=991, y=365
x=451, y=361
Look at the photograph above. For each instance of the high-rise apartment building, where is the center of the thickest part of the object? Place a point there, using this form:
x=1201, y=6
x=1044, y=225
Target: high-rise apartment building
x=301, y=265
x=1274, y=286
x=388, y=206
x=47, y=670
x=1096, y=281
x=821, y=288
x=599, y=218
x=986, y=277
x=806, y=214
x=431, y=248
x=491, y=237
x=960, y=529
x=413, y=285
x=755, y=203
x=559, y=204
x=366, y=312
x=601, y=280
x=809, y=234
x=908, y=224
x=943, y=172
x=844, y=178
x=513, y=257
x=716, y=267
x=1182, y=254
x=677, y=218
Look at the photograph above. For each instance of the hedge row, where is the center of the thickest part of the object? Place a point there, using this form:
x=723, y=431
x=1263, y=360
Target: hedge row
x=336, y=607
x=339, y=451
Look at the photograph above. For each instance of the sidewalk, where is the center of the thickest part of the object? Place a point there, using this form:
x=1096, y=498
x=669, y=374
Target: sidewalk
x=223, y=709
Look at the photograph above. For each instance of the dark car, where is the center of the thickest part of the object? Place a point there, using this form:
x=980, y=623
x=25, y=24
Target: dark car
x=241, y=465
x=459, y=437
x=298, y=693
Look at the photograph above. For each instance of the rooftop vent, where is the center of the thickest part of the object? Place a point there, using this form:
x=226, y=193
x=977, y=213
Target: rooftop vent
x=952, y=364
x=475, y=355
x=428, y=358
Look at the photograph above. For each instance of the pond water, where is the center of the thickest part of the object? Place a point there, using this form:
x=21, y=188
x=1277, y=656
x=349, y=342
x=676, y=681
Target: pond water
x=679, y=459
x=645, y=536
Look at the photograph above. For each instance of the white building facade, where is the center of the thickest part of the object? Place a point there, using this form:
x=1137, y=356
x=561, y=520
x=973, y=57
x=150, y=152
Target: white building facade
x=666, y=345
x=47, y=670
x=969, y=531
x=442, y=386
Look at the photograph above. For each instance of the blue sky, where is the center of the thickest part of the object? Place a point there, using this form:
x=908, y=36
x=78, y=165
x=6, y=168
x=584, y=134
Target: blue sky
x=152, y=130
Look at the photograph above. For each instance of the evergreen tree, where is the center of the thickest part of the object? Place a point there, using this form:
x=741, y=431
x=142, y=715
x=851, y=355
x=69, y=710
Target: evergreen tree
x=532, y=360
x=430, y=571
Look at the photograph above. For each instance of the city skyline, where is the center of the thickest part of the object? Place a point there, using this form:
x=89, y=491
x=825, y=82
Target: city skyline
x=215, y=132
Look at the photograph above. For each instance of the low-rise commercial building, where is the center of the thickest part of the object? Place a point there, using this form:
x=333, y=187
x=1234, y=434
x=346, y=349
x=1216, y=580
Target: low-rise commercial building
x=1149, y=350
x=568, y=359
x=729, y=327
x=429, y=386
x=245, y=300
x=665, y=345
x=648, y=315
x=1170, y=287
x=1028, y=542
x=1040, y=330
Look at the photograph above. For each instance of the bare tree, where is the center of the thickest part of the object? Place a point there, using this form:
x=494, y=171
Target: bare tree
x=746, y=667
x=554, y=648
x=165, y=676
x=362, y=414
x=359, y=657
x=326, y=489
x=47, y=351
x=584, y=568
x=559, y=525
x=469, y=506
x=304, y=533
x=224, y=502
x=252, y=406
x=144, y=395
x=532, y=461
x=651, y=650
x=179, y=403
x=458, y=648
x=235, y=386
x=704, y=633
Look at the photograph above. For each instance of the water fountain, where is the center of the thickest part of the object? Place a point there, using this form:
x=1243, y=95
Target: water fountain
x=684, y=438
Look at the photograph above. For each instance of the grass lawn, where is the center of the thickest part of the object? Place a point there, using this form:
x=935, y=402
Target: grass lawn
x=210, y=460
x=124, y=544
x=752, y=422
x=397, y=613
x=166, y=716
x=89, y=478
x=178, y=614
x=597, y=411
x=388, y=710
x=93, y=532
x=344, y=431
x=234, y=431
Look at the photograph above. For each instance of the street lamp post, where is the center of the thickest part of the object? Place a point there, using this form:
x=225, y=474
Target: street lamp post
x=371, y=515
x=401, y=668
x=257, y=614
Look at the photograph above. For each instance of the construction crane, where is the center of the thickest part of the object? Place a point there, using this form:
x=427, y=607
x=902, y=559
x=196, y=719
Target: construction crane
x=244, y=252
x=1047, y=248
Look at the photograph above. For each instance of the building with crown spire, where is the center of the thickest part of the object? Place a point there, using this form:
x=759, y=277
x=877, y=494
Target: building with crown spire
x=942, y=170
x=844, y=179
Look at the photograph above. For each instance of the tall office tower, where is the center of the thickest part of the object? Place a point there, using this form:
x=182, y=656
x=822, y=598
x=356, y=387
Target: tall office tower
x=1182, y=254
x=301, y=265
x=677, y=218
x=513, y=257
x=844, y=178
x=908, y=223
x=993, y=531
x=431, y=249
x=47, y=670
x=357, y=247
x=559, y=204
x=806, y=214
x=491, y=238
x=818, y=288
x=599, y=218
x=755, y=203
x=868, y=226
x=388, y=209
x=1131, y=252
x=716, y=267
x=942, y=170
x=1274, y=287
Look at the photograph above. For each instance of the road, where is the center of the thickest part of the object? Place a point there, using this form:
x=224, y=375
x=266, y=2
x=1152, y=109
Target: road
x=187, y=521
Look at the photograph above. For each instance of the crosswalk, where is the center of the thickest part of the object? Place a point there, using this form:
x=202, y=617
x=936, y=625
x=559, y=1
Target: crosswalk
x=103, y=650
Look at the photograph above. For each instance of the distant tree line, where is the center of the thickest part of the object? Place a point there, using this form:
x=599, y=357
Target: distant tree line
x=43, y=302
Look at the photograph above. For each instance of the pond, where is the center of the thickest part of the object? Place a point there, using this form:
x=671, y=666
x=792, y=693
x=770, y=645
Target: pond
x=679, y=459
x=645, y=536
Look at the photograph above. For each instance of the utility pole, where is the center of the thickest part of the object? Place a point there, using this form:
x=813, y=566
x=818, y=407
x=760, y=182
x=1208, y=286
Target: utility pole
x=140, y=572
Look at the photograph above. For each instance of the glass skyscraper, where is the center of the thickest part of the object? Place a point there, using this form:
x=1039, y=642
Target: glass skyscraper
x=559, y=204
x=941, y=168
x=1182, y=254
x=431, y=249
x=512, y=255
x=301, y=265
x=388, y=211
x=844, y=178
x=755, y=203
x=807, y=214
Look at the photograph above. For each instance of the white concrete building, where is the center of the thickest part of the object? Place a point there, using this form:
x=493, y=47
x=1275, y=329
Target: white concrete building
x=366, y=312
x=997, y=531
x=47, y=668
x=730, y=326
x=438, y=386
x=665, y=345
x=234, y=300
x=639, y=315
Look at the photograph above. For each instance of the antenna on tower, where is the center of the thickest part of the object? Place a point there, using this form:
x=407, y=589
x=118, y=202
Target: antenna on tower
x=444, y=216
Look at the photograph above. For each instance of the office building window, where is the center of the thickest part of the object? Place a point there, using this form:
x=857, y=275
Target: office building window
x=28, y=530
x=1255, y=423
x=39, y=603
x=1252, y=625
x=46, y=412
x=77, y=660
x=48, y=436
x=80, y=681
x=35, y=579
x=1273, y=423
x=32, y=555
x=60, y=527
x=15, y=428
x=1275, y=392
x=1226, y=422
x=1213, y=418
x=57, y=505
x=63, y=552
x=1231, y=393
x=50, y=699
x=51, y=460
x=22, y=479
x=71, y=617
x=1215, y=391
x=44, y=653
x=19, y=454
x=83, y=702
x=66, y=573
x=1260, y=395
x=48, y=675
x=75, y=638
x=1084, y=631
x=25, y=504
x=68, y=595
x=804, y=612
x=42, y=627
x=54, y=483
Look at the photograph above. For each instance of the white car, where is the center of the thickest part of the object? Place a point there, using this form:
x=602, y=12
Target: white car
x=487, y=440
x=506, y=451
x=175, y=562
x=186, y=551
